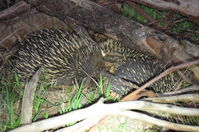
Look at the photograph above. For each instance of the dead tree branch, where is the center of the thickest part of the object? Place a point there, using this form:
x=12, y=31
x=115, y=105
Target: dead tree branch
x=172, y=99
x=100, y=110
x=188, y=89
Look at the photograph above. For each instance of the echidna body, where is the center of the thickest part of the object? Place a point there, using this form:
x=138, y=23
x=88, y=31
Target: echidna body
x=65, y=56
x=135, y=67
x=61, y=54
x=147, y=70
x=117, y=53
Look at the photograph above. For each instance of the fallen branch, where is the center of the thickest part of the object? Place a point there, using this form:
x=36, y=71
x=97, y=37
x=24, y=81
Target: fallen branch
x=142, y=117
x=100, y=110
x=83, y=125
x=172, y=99
x=184, y=90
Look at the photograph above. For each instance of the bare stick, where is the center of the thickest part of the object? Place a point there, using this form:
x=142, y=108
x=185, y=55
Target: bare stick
x=166, y=72
x=172, y=99
x=99, y=110
x=10, y=35
x=142, y=12
x=28, y=97
x=14, y=10
x=188, y=89
x=91, y=78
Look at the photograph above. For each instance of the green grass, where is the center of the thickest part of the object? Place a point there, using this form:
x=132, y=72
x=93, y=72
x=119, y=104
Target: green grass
x=75, y=102
x=130, y=12
x=12, y=93
x=10, y=96
x=40, y=98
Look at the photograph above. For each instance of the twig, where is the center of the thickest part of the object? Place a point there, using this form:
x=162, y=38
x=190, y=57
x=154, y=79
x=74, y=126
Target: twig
x=172, y=99
x=10, y=35
x=184, y=77
x=166, y=72
x=146, y=16
x=189, y=89
x=91, y=78
x=14, y=10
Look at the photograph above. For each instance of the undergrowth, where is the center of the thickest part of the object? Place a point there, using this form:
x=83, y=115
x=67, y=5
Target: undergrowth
x=12, y=93
x=11, y=90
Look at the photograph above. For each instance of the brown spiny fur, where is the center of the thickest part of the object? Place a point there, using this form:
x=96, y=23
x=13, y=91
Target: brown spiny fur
x=61, y=54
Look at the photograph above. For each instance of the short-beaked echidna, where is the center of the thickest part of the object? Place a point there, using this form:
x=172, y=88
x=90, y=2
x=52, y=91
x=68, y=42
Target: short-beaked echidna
x=62, y=54
x=117, y=53
x=135, y=67
x=66, y=56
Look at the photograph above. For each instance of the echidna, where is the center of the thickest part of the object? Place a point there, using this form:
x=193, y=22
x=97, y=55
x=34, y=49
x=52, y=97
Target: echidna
x=117, y=53
x=135, y=67
x=62, y=54
x=65, y=56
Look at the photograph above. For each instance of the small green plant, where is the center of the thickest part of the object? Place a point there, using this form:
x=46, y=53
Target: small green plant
x=154, y=128
x=75, y=102
x=40, y=98
x=101, y=84
x=103, y=91
x=10, y=97
x=9, y=86
x=108, y=90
